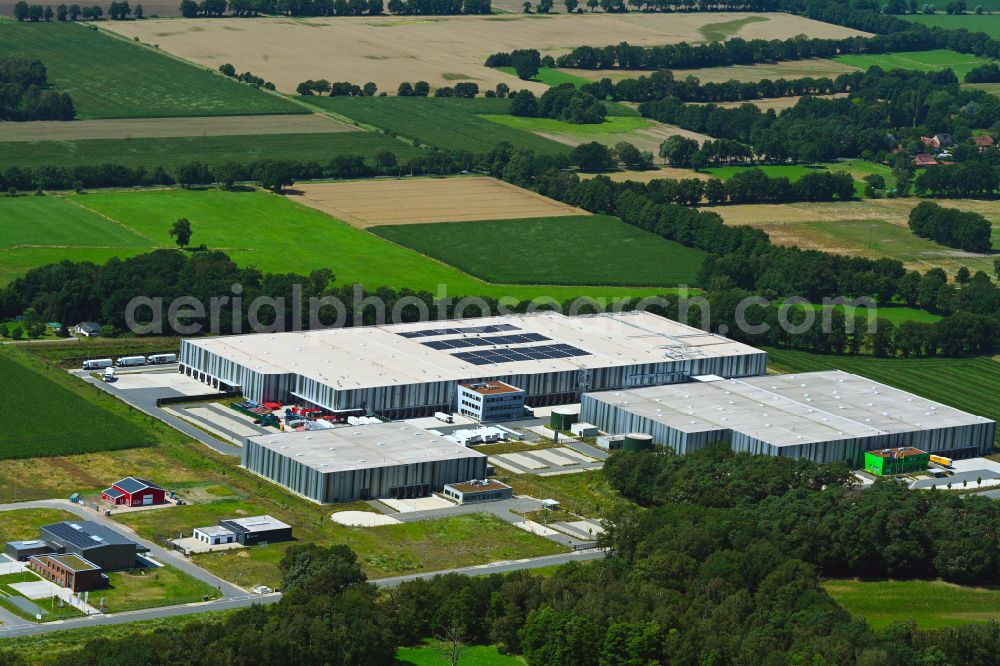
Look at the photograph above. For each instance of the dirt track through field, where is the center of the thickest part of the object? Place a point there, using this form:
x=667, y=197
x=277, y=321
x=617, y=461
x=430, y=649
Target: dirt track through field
x=53, y=130
x=427, y=200
x=439, y=50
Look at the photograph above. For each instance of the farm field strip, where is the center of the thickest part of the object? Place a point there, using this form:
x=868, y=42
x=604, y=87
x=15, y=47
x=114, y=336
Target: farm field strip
x=871, y=228
x=918, y=60
x=171, y=152
x=792, y=69
x=594, y=249
x=366, y=203
x=111, y=77
x=391, y=50
x=988, y=23
x=643, y=133
x=148, y=128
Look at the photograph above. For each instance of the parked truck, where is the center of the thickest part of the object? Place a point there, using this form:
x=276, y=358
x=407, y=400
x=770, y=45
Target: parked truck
x=444, y=416
x=159, y=359
x=97, y=363
x=941, y=460
x=109, y=374
x=131, y=361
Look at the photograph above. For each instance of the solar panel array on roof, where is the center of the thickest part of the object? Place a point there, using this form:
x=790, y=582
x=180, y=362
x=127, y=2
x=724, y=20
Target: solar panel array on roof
x=458, y=343
x=85, y=534
x=430, y=332
x=131, y=484
x=487, y=356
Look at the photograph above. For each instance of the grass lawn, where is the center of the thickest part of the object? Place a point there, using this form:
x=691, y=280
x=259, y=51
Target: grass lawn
x=550, y=76
x=968, y=384
x=263, y=230
x=171, y=152
x=595, y=249
x=931, y=604
x=790, y=171
x=611, y=124
x=42, y=418
x=52, y=608
x=988, y=23
x=110, y=77
x=432, y=655
x=584, y=493
x=924, y=61
x=897, y=314
x=447, y=123
x=149, y=588
x=383, y=551
x=23, y=524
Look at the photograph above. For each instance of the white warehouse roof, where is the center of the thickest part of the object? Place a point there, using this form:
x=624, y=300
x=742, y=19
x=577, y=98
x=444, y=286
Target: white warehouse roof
x=788, y=410
x=363, y=447
x=371, y=356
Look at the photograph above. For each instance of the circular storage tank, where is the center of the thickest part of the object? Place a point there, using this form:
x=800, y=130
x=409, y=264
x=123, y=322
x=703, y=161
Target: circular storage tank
x=563, y=417
x=637, y=441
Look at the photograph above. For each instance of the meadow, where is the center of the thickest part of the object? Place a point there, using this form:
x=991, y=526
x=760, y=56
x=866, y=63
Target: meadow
x=988, y=23
x=109, y=77
x=448, y=123
x=592, y=250
x=550, y=76
x=432, y=654
x=968, y=384
x=267, y=231
x=42, y=418
x=171, y=152
x=930, y=604
x=150, y=588
x=924, y=61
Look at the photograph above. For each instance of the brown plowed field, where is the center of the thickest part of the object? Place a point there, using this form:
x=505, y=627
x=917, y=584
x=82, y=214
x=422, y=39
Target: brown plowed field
x=368, y=203
x=439, y=50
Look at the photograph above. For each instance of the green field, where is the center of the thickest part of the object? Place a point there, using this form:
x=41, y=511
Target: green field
x=924, y=61
x=858, y=169
x=611, y=124
x=478, y=655
x=110, y=77
x=592, y=250
x=550, y=76
x=150, y=588
x=931, y=604
x=897, y=314
x=23, y=524
x=212, y=150
x=720, y=32
x=969, y=384
x=42, y=418
x=267, y=231
x=449, y=123
x=988, y=23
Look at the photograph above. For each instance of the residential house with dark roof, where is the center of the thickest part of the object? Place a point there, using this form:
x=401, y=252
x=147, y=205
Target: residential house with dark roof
x=87, y=329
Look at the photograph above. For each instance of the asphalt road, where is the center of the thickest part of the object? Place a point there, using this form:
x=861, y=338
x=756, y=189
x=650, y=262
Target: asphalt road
x=145, y=401
x=22, y=628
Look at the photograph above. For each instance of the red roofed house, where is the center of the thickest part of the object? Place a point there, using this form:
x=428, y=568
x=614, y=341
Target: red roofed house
x=131, y=491
x=982, y=141
x=924, y=159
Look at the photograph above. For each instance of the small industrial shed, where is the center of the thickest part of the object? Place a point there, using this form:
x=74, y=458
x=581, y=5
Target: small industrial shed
x=471, y=492
x=132, y=491
x=214, y=535
x=257, y=529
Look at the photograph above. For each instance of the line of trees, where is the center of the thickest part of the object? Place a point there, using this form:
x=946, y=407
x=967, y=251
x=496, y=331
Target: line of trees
x=336, y=89
x=246, y=77
x=25, y=94
x=251, y=8
x=952, y=227
x=117, y=11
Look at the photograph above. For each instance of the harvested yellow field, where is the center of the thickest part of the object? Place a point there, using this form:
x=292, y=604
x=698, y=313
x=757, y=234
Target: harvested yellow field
x=55, y=130
x=870, y=228
x=646, y=138
x=777, y=103
x=653, y=174
x=369, y=203
x=794, y=69
x=439, y=50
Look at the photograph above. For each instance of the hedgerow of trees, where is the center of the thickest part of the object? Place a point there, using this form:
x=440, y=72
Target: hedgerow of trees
x=250, y=8
x=952, y=227
x=25, y=93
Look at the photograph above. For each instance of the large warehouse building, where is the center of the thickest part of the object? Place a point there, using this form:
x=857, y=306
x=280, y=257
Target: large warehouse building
x=344, y=464
x=823, y=416
x=407, y=370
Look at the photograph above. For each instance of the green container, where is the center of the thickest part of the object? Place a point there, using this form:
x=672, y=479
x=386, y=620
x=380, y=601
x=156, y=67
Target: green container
x=562, y=418
x=637, y=441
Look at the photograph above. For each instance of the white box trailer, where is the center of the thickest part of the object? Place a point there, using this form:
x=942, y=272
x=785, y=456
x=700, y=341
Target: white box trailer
x=131, y=361
x=444, y=416
x=97, y=363
x=157, y=359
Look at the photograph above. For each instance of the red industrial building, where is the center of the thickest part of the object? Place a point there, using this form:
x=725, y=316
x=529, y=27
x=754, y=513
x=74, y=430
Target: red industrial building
x=131, y=491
